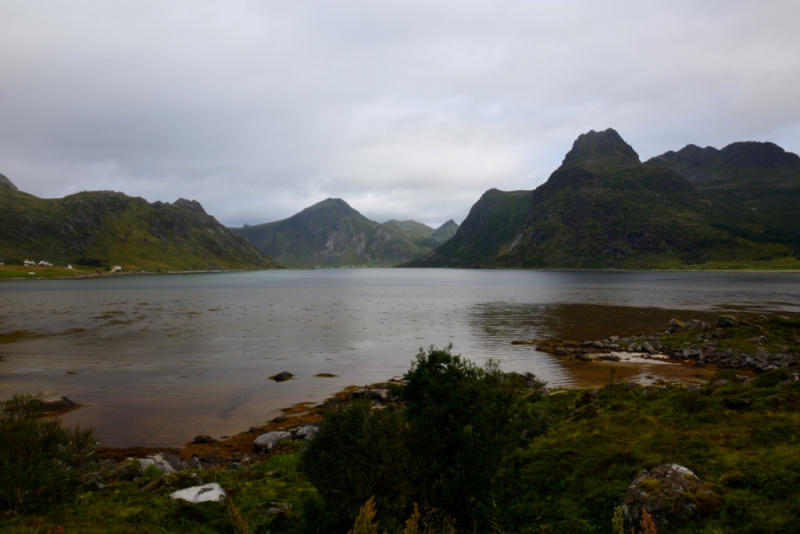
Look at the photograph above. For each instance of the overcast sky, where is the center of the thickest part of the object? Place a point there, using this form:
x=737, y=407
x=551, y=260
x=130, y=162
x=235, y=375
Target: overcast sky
x=406, y=109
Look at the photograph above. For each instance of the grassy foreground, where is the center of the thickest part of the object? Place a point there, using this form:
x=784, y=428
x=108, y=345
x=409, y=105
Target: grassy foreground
x=478, y=450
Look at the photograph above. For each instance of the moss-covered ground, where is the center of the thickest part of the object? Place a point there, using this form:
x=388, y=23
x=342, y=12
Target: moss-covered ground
x=568, y=479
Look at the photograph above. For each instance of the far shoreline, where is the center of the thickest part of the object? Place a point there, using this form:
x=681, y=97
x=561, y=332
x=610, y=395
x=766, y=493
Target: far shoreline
x=92, y=276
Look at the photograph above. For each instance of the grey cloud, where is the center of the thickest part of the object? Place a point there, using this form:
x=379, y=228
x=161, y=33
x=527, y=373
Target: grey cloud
x=405, y=109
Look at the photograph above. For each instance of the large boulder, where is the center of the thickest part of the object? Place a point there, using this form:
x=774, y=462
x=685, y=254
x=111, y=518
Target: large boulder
x=265, y=442
x=671, y=494
x=53, y=401
x=210, y=492
x=304, y=432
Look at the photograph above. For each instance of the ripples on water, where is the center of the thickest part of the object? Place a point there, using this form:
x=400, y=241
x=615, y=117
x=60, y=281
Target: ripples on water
x=160, y=359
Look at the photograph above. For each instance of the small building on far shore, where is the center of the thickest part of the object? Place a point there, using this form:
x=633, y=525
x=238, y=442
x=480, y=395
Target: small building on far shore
x=116, y=269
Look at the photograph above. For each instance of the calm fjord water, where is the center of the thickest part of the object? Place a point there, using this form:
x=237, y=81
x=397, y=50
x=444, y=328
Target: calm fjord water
x=156, y=360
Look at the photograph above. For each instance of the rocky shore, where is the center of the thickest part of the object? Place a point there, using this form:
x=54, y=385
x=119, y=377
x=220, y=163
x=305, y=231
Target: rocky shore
x=297, y=424
x=749, y=344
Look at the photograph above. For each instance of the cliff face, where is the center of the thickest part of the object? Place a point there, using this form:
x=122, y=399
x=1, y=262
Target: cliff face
x=603, y=208
x=331, y=233
x=105, y=227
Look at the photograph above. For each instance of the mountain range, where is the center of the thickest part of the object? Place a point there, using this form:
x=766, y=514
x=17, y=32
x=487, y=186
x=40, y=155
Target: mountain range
x=101, y=228
x=604, y=208
x=332, y=233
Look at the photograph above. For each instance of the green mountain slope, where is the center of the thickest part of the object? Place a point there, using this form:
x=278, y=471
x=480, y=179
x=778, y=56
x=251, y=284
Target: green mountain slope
x=603, y=208
x=761, y=179
x=104, y=227
x=445, y=231
x=411, y=226
x=331, y=233
x=489, y=228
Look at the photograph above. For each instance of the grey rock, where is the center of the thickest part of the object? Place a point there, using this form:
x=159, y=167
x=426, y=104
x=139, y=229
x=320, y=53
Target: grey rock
x=282, y=377
x=304, y=432
x=265, y=442
x=53, y=401
x=201, y=439
x=726, y=321
x=671, y=494
x=209, y=492
x=378, y=394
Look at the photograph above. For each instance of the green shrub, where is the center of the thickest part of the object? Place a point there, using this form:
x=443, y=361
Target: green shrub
x=690, y=402
x=359, y=453
x=466, y=420
x=39, y=458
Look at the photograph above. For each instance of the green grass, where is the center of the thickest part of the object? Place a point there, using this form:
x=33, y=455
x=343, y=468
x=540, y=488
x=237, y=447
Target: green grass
x=581, y=469
x=776, y=334
x=125, y=507
x=568, y=479
x=14, y=271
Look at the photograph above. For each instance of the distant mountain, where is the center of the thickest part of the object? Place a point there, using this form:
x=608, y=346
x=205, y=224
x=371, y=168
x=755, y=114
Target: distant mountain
x=441, y=234
x=604, y=208
x=331, y=233
x=5, y=183
x=108, y=228
x=445, y=231
x=760, y=178
x=411, y=226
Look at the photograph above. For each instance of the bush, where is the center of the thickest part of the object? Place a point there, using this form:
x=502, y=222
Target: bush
x=39, y=457
x=359, y=453
x=466, y=420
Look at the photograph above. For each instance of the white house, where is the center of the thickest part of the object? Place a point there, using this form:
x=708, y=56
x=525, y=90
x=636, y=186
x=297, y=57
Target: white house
x=28, y=263
x=116, y=269
x=45, y=264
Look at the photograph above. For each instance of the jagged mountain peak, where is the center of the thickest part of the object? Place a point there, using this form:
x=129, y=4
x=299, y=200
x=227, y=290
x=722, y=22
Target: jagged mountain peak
x=741, y=154
x=750, y=154
x=5, y=183
x=605, y=145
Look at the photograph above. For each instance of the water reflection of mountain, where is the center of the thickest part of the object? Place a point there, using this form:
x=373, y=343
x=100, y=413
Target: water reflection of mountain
x=506, y=321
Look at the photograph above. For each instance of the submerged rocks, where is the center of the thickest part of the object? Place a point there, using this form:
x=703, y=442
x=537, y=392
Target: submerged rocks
x=212, y=492
x=203, y=439
x=53, y=401
x=671, y=494
x=282, y=377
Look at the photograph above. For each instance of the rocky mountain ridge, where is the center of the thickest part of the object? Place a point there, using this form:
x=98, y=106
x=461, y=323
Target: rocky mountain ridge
x=603, y=208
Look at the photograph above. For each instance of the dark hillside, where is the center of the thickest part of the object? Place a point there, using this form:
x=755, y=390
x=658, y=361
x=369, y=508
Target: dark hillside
x=104, y=227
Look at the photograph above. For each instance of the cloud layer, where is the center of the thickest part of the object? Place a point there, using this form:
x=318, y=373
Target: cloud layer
x=406, y=109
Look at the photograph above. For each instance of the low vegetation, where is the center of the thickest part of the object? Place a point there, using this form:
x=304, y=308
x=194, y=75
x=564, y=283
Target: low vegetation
x=470, y=449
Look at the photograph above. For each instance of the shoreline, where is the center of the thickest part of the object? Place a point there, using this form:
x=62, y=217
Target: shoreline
x=555, y=269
